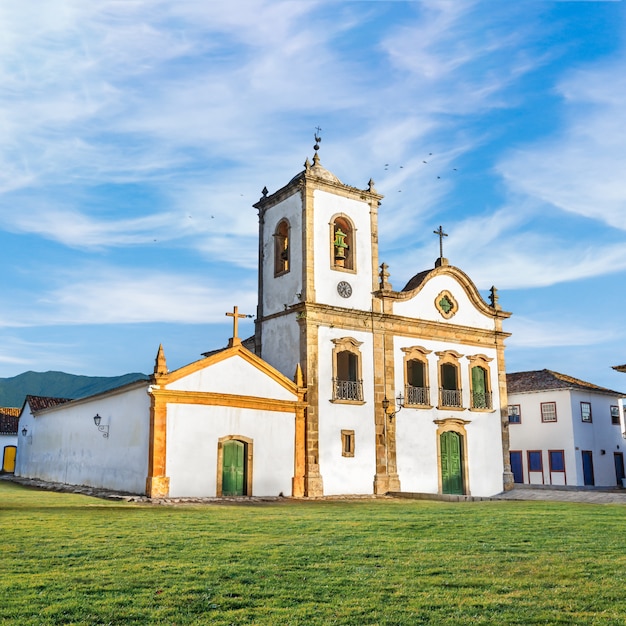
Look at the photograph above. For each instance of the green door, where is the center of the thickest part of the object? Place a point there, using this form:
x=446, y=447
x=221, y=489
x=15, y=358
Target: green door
x=233, y=469
x=451, y=463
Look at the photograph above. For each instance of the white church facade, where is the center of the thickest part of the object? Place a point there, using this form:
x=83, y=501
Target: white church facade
x=395, y=391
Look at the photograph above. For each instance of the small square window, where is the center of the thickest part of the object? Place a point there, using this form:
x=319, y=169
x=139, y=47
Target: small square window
x=515, y=414
x=347, y=443
x=585, y=411
x=548, y=411
x=615, y=415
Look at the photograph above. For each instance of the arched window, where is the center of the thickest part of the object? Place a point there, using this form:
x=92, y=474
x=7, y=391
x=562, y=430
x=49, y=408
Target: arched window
x=480, y=390
x=416, y=389
x=281, y=248
x=347, y=379
x=450, y=392
x=342, y=244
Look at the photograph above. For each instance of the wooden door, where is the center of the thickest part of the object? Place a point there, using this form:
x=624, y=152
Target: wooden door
x=517, y=467
x=8, y=460
x=588, y=467
x=234, y=469
x=451, y=445
x=618, y=458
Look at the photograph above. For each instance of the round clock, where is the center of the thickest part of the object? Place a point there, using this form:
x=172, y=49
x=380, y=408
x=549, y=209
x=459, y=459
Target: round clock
x=344, y=289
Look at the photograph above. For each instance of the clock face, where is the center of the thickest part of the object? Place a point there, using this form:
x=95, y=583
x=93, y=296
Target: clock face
x=344, y=289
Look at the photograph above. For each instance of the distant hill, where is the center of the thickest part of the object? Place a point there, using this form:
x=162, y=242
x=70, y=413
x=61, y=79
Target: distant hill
x=13, y=391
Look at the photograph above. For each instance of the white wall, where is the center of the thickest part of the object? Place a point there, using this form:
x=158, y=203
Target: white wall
x=281, y=344
x=281, y=290
x=63, y=444
x=328, y=205
x=232, y=376
x=192, y=438
x=417, y=432
x=423, y=305
x=346, y=475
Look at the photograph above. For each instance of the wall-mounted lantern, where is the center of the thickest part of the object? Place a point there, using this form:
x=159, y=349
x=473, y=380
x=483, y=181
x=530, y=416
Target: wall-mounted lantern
x=24, y=431
x=399, y=405
x=103, y=428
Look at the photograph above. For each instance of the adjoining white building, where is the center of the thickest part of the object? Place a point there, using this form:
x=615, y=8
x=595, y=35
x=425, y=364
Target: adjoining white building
x=405, y=390
x=8, y=437
x=564, y=431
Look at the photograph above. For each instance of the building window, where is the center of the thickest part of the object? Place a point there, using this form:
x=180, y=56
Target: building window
x=480, y=389
x=281, y=248
x=585, y=411
x=535, y=463
x=347, y=378
x=416, y=389
x=347, y=443
x=615, y=415
x=342, y=244
x=450, y=392
x=515, y=414
x=548, y=411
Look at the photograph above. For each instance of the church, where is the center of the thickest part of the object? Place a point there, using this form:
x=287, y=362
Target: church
x=347, y=386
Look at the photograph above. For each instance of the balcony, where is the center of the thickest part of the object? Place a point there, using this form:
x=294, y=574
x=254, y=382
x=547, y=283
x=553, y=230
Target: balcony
x=348, y=390
x=451, y=398
x=481, y=400
x=416, y=395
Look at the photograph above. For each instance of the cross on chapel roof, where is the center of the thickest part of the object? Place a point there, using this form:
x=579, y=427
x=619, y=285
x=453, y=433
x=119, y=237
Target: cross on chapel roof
x=441, y=260
x=235, y=341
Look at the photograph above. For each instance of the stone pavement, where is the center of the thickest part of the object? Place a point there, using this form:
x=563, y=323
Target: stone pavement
x=593, y=495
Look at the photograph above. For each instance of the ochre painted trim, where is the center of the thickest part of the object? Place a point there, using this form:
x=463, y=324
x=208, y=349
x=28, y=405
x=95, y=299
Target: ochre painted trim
x=157, y=483
x=235, y=350
x=208, y=398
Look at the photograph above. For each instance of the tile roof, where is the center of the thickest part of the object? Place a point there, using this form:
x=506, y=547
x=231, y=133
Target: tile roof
x=9, y=410
x=38, y=403
x=620, y=368
x=8, y=423
x=544, y=380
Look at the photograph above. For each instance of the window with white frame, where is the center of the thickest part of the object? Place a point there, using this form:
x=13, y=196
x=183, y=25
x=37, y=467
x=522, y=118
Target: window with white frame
x=515, y=414
x=585, y=411
x=548, y=411
x=615, y=415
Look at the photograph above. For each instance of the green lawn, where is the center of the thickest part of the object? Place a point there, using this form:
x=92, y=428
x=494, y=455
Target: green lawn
x=69, y=559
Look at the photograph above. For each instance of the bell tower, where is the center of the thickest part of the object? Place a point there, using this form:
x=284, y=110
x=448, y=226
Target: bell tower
x=318, y=261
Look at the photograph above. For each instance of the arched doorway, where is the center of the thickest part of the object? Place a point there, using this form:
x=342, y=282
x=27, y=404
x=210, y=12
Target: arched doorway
x=452, y=456
x=234, y=466
x=451, y=445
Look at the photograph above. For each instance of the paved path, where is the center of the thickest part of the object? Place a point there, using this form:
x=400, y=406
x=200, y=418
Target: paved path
x=571, y=494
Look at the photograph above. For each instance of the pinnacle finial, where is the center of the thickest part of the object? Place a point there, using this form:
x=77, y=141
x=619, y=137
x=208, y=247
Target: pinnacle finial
x=160, y=364
x=265, y=192
x=385, y=285
x=494, y=297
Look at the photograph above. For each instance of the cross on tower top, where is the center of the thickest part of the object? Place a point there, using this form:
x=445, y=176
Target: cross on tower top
x=236, y=317
x=441, y=234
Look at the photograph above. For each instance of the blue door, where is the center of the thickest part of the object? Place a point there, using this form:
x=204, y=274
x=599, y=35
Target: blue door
x=588, y=467
x=516, y=467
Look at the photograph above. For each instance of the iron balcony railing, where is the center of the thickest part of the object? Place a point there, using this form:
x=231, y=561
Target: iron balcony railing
x=416, y=395
x=347, y=389
x=450, y=397
x=481, y=400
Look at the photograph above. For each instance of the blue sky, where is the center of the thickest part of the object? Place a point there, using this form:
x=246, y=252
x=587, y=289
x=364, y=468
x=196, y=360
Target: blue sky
x=135, y=136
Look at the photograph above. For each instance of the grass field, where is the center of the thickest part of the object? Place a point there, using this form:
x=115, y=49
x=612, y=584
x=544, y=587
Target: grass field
x=70, y=559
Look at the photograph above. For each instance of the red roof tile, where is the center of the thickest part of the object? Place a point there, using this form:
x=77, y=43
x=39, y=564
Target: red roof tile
x=38, y=403
x=544, y=380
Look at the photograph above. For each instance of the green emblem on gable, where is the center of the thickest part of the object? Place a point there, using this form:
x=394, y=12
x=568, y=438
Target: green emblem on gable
x=445, y=304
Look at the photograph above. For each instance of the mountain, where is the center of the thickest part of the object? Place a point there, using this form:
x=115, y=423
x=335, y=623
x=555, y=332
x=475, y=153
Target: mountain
x=13, y=391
